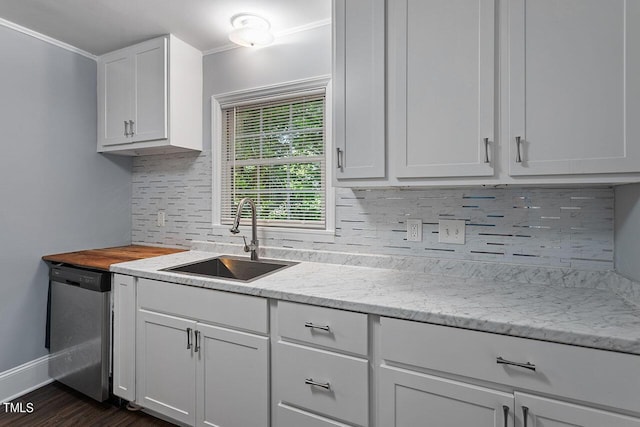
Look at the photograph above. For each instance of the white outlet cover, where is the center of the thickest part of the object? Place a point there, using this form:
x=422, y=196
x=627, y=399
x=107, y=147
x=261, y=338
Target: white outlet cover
x=414, y=230
x=451, y=231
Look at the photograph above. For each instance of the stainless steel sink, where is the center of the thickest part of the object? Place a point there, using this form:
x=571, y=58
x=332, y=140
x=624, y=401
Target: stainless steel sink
x=233, y=268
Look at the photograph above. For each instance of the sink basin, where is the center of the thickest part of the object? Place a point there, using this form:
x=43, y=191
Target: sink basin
x=233, y=268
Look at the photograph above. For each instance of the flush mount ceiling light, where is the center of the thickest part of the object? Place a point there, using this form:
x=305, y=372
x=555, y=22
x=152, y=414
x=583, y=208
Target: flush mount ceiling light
x=250, y=30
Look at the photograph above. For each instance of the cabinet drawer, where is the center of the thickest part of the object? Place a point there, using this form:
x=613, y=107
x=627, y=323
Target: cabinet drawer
x=598, y=376
x=347, y=331
x=347, y=377
x=205, y=305
x=291, y=417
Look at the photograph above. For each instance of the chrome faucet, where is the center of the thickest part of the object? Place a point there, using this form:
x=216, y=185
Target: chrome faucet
x=253, y=246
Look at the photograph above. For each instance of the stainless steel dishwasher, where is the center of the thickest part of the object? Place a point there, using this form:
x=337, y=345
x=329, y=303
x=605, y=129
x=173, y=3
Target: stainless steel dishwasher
x=80, y=329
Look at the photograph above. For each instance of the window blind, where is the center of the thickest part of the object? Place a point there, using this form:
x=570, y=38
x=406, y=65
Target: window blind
x=274, y=153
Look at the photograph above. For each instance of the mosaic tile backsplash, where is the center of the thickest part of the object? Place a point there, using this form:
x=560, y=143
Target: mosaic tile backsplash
x=559, y=227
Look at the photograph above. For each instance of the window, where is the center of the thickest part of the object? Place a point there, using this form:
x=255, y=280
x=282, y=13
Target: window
x=273, y=150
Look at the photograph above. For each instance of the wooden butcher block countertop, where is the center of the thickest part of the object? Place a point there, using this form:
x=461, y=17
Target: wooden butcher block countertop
x=103, y=258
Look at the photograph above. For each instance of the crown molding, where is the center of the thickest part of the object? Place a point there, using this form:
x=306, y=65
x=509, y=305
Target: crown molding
x=46, y=39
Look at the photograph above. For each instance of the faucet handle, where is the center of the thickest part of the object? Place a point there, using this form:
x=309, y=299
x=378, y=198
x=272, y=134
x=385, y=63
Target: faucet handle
x=246, y=247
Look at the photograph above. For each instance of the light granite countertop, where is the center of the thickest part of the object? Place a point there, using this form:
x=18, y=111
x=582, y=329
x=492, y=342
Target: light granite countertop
x=583, y=310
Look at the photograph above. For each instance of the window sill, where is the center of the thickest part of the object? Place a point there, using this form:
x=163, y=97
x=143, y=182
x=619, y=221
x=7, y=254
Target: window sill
x=304, y=235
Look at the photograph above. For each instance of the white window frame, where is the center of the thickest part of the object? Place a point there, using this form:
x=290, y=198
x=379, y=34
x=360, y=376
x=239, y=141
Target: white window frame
x=220, y=101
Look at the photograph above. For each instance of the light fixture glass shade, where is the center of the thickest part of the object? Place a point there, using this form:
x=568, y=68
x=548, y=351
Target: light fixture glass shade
x=250, y=30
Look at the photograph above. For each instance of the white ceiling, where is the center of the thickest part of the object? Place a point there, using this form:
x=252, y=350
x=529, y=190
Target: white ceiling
x=100, y=26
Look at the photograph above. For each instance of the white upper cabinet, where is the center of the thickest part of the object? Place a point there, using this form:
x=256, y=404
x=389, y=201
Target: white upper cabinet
x=359, y=89
x=487, y=92
x=149, y=110
x=150, y=98
x=115, y=109
x=442, y=100
x=574, y=86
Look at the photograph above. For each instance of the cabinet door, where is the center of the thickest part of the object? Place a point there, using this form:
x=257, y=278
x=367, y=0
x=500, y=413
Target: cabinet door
x=408, y=399
x=124, y=337
x=359, y=88
x=166, y=368
x=442, y=102
x=150, y=95
x=233, y=372
x=542, y=412
x=574, y=91
x=115, y=98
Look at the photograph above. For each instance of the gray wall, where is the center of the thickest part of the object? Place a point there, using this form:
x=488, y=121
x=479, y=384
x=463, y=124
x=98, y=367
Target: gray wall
x=627, y=230
x=56, y=193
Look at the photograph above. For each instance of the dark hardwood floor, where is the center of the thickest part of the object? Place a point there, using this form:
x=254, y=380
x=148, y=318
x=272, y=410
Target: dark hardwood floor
x=58, y=405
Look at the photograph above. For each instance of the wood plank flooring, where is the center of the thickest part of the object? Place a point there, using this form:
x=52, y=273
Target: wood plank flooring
x=58, y=405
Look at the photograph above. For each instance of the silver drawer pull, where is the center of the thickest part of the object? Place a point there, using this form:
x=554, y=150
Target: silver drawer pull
x=131, y=122
x=311, y=382
x=189, y=338
x=525, y=415
x=527, y=365
x=126, y=128
x=339, y=158
x=197, y=346
x=505, y=410
x=486, y=150
x=321, y=327
x=518, y=143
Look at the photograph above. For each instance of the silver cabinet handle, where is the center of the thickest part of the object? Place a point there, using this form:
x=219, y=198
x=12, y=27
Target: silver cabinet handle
x=339, y=157
x=518, y=154
x=131, y=127
x=525, y=415
x=311, y=382
x=314, y=326
x=486, y=150
x=189, y=338
x=126, y=128
x=505, y=411
x=197, y=345
x=501, y=361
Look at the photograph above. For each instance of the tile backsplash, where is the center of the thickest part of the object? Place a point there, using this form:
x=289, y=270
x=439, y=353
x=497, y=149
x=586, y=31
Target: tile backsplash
x=560, y=227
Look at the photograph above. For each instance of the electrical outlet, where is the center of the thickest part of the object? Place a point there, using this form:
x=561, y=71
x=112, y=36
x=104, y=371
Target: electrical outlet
x=451, y=231
x=414, y=230
x=160, y=219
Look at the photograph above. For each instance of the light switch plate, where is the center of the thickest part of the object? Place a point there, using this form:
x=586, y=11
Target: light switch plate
x=451, y=231
x=414, y=230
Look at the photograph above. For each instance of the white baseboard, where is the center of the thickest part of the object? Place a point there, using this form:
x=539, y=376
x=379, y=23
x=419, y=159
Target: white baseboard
x=24, y=378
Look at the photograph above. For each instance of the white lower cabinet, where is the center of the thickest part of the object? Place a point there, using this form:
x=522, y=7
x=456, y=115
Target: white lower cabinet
x=232, y=378
x=198, y=356
x=536, y=411
x=320, y=367
x=204, y=357
x=124, y=336
x=450, y=377
x=411, y=399
x=165, y=368
x=200, y=374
